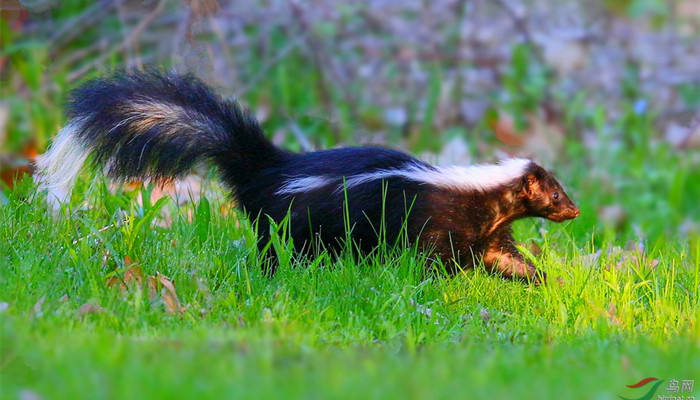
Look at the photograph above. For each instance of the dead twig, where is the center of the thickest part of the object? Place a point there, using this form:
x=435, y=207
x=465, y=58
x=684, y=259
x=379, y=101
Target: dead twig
x=104, y=228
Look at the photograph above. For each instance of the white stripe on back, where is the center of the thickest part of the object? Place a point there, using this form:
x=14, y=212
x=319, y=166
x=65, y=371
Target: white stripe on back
x=303, y=184
x=474, y=177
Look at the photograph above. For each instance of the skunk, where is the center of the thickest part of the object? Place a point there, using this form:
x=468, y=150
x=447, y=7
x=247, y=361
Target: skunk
x=156, y=126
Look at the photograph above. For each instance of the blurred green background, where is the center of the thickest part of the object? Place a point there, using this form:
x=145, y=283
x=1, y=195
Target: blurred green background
x=605, y=93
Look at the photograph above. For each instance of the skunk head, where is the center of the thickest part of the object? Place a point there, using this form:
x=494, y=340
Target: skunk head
x=544, y=196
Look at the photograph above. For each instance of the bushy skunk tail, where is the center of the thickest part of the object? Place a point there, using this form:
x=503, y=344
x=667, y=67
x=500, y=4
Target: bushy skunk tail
x=154, y=126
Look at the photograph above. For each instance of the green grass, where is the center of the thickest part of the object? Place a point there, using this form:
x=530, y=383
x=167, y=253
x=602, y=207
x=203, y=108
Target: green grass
x=376, y=327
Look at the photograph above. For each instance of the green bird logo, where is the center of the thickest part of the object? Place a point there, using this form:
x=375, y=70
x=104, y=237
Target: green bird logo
x=642, y=383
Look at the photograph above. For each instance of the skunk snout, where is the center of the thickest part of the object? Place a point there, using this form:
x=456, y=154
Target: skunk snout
x=571, y=212
x=565, y=211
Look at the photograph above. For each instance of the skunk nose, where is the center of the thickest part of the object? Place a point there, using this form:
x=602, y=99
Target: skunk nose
x=576, y=212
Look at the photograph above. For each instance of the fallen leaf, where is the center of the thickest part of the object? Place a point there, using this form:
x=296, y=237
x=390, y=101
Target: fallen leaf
x=128, y=261
x=170, y=300
x=534, y=248
x=152, y=287
x=115, y=281
x=133, y=276
x=504, y=125
x=612, y=315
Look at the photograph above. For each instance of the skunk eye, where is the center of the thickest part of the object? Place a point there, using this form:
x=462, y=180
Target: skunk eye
x=556, y=195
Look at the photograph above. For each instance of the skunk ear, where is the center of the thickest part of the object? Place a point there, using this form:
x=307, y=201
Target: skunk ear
x=530, y=183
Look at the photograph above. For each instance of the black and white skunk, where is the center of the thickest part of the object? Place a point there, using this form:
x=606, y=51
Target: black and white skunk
x=155, y=126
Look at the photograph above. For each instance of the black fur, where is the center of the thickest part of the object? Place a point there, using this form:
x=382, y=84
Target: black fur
x=212, y=129
x=461, y=226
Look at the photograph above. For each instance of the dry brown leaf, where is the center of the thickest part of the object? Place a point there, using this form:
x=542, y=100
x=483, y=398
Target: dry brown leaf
x=133, y=276
x=504, y=126
x=533, y=247
x=15, y=167
x=113, y=281
x=612, y=315
x=128, y=261
x=170, y=301
x=152, y=286
x=159, y=284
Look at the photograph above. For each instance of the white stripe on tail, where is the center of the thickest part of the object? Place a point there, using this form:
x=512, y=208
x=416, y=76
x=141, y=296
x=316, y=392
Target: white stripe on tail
x=61, y=164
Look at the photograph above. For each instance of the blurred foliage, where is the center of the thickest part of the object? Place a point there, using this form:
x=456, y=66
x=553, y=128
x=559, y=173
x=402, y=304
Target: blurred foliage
x=578, y=85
